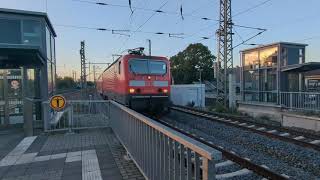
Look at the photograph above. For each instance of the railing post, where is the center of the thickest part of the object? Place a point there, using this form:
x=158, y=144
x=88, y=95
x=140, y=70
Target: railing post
x=45, y=115
x=208, y=169
x=70, y=118
x=28, y=116
x=290, y=100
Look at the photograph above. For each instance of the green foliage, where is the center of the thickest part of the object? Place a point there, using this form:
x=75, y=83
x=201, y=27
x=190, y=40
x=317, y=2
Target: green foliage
x=220, y=108
x=65, y=83
x=183, y=65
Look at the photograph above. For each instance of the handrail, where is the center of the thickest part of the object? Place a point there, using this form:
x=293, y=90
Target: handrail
x=159, y=151
x=194, y=145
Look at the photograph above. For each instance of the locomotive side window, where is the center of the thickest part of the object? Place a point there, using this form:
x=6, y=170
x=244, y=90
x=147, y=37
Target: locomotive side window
x=119, y=67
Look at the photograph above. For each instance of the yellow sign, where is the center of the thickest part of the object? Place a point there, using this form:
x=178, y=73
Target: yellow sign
x=57, y=102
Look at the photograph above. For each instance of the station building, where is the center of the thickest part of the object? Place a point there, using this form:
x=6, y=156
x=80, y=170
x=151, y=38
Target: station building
x=267, y=71
x=27, y=63
x=277, y=83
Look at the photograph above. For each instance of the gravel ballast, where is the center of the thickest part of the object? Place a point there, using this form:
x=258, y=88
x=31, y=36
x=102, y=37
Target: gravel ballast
x=282, y=157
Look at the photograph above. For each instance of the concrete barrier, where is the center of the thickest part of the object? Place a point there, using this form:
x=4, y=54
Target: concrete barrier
x=300, y=121
x=277, y=114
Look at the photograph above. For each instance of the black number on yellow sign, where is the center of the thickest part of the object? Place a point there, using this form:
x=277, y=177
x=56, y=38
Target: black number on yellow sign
x=57, y=102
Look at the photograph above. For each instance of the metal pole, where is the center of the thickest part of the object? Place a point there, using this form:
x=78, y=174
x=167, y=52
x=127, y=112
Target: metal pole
x=94, y=74
x=225, y=51
x=27, y=105
x=149, y=41
x=200, y=70
x=6, y=99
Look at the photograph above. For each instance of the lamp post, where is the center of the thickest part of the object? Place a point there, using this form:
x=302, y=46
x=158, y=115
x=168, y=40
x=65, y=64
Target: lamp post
x=200, y=80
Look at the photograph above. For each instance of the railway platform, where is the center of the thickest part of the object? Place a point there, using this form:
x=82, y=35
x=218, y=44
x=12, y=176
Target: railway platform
x=83, y=154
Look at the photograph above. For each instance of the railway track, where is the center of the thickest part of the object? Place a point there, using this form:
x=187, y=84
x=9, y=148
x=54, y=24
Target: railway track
x=298, y=138
x=247, y=156
x=232, y=166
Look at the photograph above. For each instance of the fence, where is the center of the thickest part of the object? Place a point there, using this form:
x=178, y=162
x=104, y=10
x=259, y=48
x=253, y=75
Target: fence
x=159, y=152
x=80, y=114
x=260, y=96
x=306, y=101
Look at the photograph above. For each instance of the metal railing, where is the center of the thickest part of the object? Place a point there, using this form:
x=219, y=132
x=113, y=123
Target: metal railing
x=302, y=101
x=260, y=96
x=82, y=114
x=160, y=152
x=306, y=101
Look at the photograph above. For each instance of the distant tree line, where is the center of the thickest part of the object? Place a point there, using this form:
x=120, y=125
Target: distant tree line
x=65, y=83
x=69, y=83
x=186, y=64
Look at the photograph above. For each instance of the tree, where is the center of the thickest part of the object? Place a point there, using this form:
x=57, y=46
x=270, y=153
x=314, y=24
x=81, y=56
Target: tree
x=65, y=83
x=184, y=65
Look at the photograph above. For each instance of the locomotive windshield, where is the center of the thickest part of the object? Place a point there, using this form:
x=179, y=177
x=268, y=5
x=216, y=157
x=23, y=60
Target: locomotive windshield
x=140, y=66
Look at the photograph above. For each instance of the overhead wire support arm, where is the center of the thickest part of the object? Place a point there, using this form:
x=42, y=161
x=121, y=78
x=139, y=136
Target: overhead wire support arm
x=121, y=32
x=245, y=41
x=176, y=35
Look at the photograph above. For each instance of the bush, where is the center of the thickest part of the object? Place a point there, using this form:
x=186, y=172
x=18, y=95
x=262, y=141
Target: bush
x=220, y=108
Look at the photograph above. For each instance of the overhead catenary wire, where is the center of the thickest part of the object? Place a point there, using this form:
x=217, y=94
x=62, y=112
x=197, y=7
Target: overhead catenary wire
x=251, y=8
x=118, y=31
x=159, y=11
x=144, y=23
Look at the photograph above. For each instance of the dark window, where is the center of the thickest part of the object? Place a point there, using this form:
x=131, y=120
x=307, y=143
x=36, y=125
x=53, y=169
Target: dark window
x=48, y=43
x=31, y=32
x=140, y=66
x=10, y=31
x=53, y=50
x=119, y=67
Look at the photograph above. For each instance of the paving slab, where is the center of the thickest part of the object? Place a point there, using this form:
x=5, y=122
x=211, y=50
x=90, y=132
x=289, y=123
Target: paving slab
x=87, y=154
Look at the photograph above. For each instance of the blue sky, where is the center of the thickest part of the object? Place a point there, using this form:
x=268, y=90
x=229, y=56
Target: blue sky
x=286, y=20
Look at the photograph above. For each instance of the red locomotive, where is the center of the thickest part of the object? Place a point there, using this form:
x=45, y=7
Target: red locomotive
x=138, y=81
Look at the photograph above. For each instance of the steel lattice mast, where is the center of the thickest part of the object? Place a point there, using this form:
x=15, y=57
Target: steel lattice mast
x=225, y=51
x=83, y=76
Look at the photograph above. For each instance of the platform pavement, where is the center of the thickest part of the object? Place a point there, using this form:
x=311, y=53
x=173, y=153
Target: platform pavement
x=87, y=154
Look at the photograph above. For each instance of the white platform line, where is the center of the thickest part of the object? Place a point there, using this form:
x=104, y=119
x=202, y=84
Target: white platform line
x=90, y=166
x=17, y=152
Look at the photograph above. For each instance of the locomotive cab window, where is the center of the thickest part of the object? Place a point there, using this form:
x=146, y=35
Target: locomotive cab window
x=157, y=67
x=119, y=67
x=140, y=66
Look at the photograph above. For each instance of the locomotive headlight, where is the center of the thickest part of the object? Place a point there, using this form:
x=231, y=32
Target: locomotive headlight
x=149, y=77
x=131, y=90
x=165, y=90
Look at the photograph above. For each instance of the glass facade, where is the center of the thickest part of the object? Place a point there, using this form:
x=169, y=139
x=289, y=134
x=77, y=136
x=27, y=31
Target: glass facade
x=51, y=61
x=261, y=73
x=11, y=31
x=18, y=32
x=32, y=32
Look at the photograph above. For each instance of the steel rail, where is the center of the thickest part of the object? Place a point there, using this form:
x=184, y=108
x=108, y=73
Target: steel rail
x=208, y=116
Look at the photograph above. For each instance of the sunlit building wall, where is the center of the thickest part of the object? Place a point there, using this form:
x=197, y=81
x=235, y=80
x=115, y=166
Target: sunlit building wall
x=261, y=76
